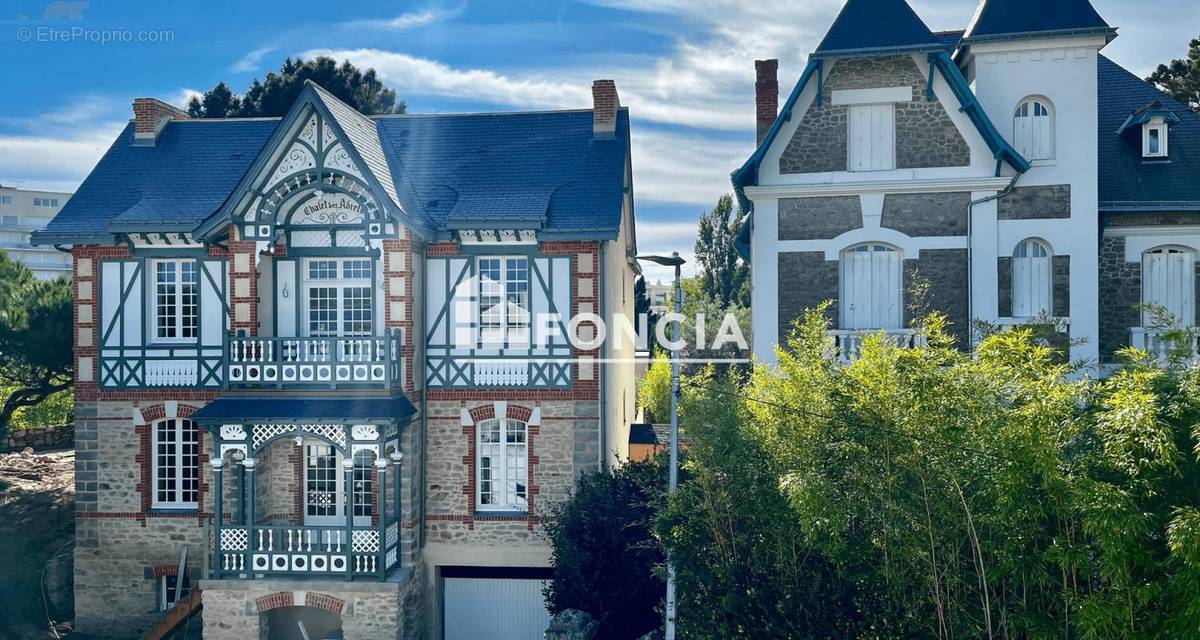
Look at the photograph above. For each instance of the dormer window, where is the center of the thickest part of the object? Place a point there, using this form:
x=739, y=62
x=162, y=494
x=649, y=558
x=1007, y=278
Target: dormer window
x=1033, y=129
x=1154, y=139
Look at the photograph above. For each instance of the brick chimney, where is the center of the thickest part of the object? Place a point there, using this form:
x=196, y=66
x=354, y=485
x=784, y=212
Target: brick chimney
x=150, y=115
x=604, y=108
x=766, y=96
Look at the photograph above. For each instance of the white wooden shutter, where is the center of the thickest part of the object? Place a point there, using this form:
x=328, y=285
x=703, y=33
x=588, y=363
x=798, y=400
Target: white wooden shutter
x=1168, y=282
x=871, y=288
x=871, y=131
x=1032, y=279
x=286, y=294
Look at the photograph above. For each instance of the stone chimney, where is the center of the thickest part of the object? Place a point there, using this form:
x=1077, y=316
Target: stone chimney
x=150, y=115
x=766, y=96
x=604, y=108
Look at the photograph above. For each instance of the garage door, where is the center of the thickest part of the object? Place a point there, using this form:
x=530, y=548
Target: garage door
x=497, y=608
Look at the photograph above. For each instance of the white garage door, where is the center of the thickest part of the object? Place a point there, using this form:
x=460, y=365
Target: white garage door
x=496, y=608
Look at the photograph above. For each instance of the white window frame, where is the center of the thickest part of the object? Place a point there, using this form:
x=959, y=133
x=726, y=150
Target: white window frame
x=342, y=284
x=890, y=160
x=178, y=469
x=508, y=482
x=177, y=321
x=843, y=298
x=513, y=325
x=1188, y=316
x=1023, y=291
x=1027, y=150
x=1161, y=127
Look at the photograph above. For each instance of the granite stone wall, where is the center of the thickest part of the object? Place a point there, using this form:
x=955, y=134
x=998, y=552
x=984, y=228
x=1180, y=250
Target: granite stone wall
x=1033, y=203
x=1004, y=285
x=1060, y=286
x=1120, y=294
x=806, y=279
x=925, y=135
x=926, y=214
x=945, y=271
x=818, y=218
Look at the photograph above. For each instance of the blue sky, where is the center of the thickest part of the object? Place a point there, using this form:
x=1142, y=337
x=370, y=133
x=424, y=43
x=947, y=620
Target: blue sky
x=684, y=67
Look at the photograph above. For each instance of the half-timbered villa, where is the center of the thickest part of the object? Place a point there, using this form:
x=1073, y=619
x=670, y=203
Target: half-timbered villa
x=1014, y=169
x=324, y=358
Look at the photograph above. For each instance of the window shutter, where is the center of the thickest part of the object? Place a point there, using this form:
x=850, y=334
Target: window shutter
x=1167, y=282
x=871, y=296
x=871, y=131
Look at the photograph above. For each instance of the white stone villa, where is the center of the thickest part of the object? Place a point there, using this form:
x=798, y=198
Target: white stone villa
x=1010, y=165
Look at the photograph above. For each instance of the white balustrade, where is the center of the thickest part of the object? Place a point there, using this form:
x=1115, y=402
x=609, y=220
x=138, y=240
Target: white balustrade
x=501, y=372
x=172, y=373
x=847, y=343
x=350, y=359
x=1160, y=346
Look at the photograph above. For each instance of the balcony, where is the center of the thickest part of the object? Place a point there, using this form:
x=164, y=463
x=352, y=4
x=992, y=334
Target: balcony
x=847, y=343
x=1166, y=343
x=265, y=550
x=314, y=362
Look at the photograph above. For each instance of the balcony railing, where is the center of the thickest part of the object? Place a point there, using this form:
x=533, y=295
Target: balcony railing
x=311, y=551
x=1156, y=342
x=847, y=343
x=332, y=362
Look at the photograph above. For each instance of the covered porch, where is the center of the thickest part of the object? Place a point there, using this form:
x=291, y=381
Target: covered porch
x=347, y=485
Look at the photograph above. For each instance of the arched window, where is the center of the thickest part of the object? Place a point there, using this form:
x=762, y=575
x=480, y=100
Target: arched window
x=502, y=461
x=176, y=468
x=1168, y=284
x=1032, y=274
x=871, y=286
x=1033, y=129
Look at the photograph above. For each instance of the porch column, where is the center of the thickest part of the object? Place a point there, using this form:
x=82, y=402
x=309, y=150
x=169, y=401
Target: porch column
x=381, y=465
x=397, y=457
x=248, y=466
x=217, y=464
x=348, y=487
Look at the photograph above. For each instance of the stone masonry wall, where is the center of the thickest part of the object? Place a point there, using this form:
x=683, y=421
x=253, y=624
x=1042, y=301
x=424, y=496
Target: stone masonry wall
x=563, y=446
x=806, y=279
x=1120, y=293
x=818, y=218
x=925, y=135
x=1032, y=203
x=945, y=270
x=926, y=214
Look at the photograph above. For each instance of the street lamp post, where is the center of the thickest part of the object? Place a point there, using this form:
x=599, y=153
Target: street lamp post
x=673, y=261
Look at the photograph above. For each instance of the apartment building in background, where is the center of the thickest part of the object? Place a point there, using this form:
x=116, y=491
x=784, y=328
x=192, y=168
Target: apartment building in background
x=21, y=213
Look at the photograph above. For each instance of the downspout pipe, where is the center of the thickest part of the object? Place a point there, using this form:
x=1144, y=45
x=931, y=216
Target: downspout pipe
x=971, y=238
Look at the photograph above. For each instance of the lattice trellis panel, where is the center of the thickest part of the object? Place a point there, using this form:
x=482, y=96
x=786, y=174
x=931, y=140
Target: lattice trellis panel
x=391, y=535
x=365, y=541
x=233, y=540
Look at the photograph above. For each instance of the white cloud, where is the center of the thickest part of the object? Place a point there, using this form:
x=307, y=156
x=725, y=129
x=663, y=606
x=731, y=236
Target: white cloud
x=673, y=167
x=182, y=97
x=251, y=61
x=57, y=160
x=409, y=20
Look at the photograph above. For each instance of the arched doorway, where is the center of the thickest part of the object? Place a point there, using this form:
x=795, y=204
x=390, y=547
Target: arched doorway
x=285, y=623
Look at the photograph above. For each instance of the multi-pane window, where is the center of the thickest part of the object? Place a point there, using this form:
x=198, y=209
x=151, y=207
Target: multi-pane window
x=176, y=299
x=502, y=465
x=1031, y=280
x=504, y=300
x=1033, y=129
x=5, y=199
x=170, y=591
x=340, y=301
x=321, y=483
x=1154, y=140
x=45, y=202
x=176, y=464
x=363, y=485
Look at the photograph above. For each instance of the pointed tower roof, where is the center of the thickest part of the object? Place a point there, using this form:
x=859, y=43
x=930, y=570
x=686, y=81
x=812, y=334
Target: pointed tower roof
x=876, y=26
x=1006, y=19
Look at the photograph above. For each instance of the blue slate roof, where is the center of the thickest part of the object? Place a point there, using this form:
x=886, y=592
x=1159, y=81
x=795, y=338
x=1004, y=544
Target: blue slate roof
x=301, y=409
x=1127, y=181
x=866, y=26
x=1010, y=18
x=543, y=170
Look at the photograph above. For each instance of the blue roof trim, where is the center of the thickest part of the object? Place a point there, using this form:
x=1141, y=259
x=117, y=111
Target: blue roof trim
x=1001, y=150
x=1108, y=32
x=1146, y=114
x=747, y=174
x=342, y=409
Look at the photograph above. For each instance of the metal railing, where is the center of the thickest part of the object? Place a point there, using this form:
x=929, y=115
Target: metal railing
x=332, y=362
